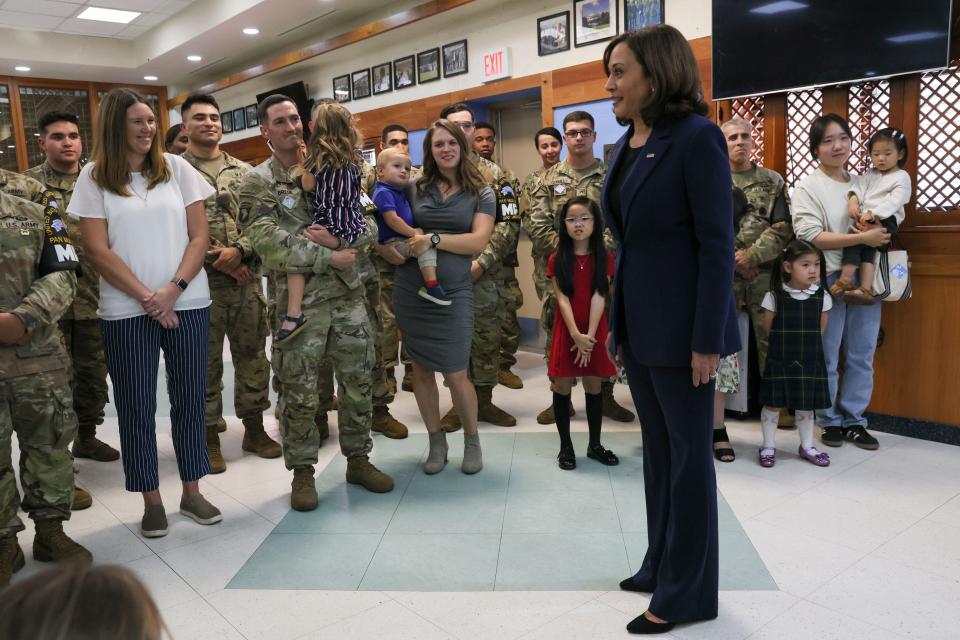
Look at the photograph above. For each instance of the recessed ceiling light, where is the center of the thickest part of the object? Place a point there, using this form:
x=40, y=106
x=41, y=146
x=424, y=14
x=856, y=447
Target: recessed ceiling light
x=150, y=78
x=108, y=15
x=22, y=68
x=251, y=31
x=194, y=58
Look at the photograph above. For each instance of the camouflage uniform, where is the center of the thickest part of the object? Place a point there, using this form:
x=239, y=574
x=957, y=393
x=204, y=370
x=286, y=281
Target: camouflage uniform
x=489, y=304
x=510, y=290
x=764, y=231
x=273, y=212
x=80, y=325
x=237, y=311
x=35, y=398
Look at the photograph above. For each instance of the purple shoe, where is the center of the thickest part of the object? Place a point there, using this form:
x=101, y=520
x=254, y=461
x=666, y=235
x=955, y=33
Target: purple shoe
x=816, y=457
x=768, y=459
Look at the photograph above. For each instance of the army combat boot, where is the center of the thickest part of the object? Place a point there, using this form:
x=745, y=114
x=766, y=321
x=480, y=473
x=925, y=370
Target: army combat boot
x=508, y=378
x=81, y=500
x=86, y=445
x=489, y=412
x=386, y=424
x=51, y=544
x=323, y=425
x=407, y=383
x=217, y=464
x=303, y=493
x=451, y=421
x=361, y=471
x=546, y=416
x=611, y=409
x=256, y=440
x=391, y=381
x=11, y=559
x=221, y=425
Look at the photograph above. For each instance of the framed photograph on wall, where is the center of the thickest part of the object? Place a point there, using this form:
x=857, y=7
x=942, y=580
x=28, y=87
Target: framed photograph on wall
x=594, y=21
x=253, y=120
x=226, y=121
x=641, y=13
x=553, y=33
x=428, y=65
x=360, y=81
x=341, y=88
x=239, y=119
x=382, y=78
x=404, y=72
x=455, y=58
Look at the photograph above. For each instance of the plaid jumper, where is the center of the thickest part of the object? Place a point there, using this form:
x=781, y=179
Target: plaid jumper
x=795, y=376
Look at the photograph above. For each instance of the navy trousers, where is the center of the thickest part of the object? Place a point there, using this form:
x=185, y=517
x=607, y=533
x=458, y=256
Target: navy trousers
x=133, y=348
x=681, y=567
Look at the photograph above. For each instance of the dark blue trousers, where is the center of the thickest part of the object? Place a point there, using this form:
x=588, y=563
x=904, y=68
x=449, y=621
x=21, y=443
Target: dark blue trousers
x=681, y=566
x=133, y=348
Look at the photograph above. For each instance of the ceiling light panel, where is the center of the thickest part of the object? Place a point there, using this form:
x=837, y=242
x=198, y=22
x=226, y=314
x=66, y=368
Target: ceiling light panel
x=108, y=15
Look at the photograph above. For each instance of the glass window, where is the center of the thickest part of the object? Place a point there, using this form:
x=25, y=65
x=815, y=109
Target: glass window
x=36, y=101
x=8, y=148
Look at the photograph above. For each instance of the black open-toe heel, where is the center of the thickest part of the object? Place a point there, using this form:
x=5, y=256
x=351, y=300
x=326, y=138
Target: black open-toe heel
x=298, y=324
x=567, y=459
x=603, y=456
x=720, y=435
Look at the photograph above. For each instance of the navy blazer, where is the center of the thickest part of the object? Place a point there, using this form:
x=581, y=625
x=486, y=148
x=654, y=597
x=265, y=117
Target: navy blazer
x=673, y=280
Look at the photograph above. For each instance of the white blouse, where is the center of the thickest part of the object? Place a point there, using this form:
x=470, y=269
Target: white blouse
x=148, y=230
x=770, y=303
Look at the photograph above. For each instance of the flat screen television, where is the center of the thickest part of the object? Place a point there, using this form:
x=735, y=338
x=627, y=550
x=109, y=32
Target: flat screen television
x=298, y=93
x=766, y=46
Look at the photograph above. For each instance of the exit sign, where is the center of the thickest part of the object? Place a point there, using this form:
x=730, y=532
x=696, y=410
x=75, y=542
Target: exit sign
x=496, y=64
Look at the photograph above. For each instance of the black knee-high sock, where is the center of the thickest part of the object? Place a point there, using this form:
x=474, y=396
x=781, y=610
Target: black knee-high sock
x=561, y=412
x=594, y=416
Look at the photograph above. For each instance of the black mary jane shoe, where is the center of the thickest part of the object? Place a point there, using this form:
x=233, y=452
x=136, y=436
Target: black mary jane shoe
x=720, y=435
x=627, y=584
x=298, y=324
x=567, y=459
x=642, y=625
x=603, y=456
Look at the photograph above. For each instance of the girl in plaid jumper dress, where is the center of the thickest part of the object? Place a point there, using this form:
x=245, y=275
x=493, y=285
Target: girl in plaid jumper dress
x=795, y=377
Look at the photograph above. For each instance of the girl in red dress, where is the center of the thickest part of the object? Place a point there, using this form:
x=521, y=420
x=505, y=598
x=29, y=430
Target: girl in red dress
x=581, y=270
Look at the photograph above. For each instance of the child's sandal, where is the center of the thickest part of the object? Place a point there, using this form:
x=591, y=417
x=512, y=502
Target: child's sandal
x=298, y=324
x=840, y=287
x=861, y=295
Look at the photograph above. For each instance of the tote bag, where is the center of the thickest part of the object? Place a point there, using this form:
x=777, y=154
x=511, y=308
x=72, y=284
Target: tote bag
x=892, y=280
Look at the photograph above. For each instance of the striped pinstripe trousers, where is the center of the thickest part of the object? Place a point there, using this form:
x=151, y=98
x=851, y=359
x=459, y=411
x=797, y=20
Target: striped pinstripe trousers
x=133, y=348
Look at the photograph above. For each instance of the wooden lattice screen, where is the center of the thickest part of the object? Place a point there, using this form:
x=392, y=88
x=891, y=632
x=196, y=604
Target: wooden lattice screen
x=938, y=147
x=803, y=107
x=869, y=111
x=751, y=110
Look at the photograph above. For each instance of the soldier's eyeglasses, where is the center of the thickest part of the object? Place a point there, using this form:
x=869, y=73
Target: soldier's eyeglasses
x=573, y=134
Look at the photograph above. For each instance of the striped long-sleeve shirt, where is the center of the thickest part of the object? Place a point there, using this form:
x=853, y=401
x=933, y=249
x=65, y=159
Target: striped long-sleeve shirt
x=337, y=201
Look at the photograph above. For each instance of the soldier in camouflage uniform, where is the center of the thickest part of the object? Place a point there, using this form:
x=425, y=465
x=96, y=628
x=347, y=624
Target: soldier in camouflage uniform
x=37, y=263
x=486, y=271
x=579, y=174
x=386, y=261
x=485, y=144
x=238, y=310
x=31, y=189
x=276, y=215
x=61, y=143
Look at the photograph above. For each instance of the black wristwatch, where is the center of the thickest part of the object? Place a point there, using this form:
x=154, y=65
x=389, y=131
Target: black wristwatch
x=435, y=239
x=238, y=247
x=180, y=282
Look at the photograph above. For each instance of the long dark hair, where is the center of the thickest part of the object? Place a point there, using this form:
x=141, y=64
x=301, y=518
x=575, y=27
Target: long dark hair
x=469, y=176
x=563, y=263
x=793, y=252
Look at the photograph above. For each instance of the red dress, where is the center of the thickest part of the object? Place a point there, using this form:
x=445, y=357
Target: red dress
x=561, y=357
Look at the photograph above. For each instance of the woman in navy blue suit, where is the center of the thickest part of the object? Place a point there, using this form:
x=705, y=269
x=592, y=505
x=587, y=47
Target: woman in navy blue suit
x=667, y=201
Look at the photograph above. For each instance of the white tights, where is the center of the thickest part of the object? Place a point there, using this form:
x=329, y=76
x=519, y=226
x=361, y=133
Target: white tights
x=768, y=422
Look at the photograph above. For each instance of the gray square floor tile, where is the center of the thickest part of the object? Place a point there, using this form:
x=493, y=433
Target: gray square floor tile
x=561, y=562
x=573, y=512
x=449, y=512
x=433, y=562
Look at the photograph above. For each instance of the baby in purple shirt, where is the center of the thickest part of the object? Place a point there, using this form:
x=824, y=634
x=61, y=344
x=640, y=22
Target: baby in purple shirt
x=395, y=219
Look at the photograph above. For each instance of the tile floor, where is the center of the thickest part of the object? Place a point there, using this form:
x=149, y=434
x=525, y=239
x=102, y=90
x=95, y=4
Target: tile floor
x=864, y=549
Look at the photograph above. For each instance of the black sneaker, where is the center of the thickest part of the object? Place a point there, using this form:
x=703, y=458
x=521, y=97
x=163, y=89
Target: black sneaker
x=832, y=436
x=859, y=436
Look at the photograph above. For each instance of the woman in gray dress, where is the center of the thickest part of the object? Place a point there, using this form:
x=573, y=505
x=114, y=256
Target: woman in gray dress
x=457, y=214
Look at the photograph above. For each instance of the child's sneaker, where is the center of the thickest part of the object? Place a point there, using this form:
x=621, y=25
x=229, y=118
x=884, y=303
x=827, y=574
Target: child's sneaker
x=435, y=294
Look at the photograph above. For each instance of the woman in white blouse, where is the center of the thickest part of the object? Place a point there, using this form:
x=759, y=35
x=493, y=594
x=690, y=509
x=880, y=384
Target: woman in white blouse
x=820, y=217
x=144, y=226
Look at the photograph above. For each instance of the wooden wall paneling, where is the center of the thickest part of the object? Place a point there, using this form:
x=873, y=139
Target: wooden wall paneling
x=775, y=132
x=16, y=121
x=253, y=149
x=835, y=100
x=547, y=99
x=579, y=83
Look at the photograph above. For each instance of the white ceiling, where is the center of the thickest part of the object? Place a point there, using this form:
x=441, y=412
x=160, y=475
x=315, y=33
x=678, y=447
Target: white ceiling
x=45, y=35
x=59, y=16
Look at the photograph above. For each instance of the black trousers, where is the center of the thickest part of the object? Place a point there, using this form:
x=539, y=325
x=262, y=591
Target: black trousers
x=681, y=566
x=860, y=253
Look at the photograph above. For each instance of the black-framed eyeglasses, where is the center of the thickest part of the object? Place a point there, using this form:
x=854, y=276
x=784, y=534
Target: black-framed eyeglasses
x=578, y=133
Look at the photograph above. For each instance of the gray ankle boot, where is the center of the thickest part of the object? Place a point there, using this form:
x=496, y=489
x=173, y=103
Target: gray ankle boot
x=437, y=457
x=472, y=456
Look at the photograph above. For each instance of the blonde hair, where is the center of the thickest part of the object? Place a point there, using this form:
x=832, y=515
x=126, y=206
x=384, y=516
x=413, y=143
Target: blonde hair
x=78, y=600
x=335, y=140
x=111, y=171
x=389, y=154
